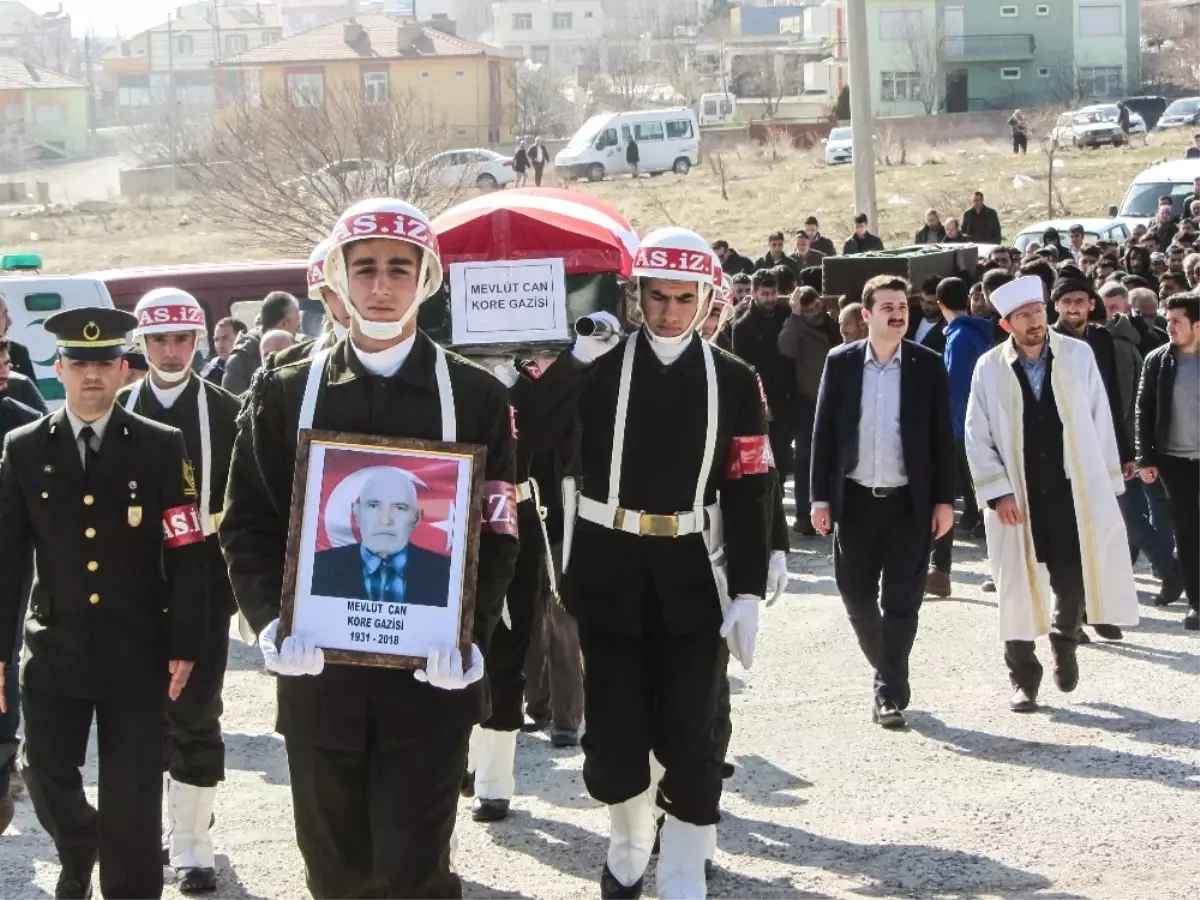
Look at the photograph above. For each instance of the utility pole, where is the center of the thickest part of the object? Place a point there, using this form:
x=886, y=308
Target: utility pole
x=861, y=124
x=91, y=84
x=172, y=124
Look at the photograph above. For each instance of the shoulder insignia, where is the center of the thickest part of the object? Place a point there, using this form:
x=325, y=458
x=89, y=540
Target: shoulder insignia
x=189, y=480
x=530, y=369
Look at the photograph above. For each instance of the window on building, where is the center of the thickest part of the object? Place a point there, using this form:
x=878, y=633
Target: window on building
x=459, y=74
x=588, y=14
x=540, y=55
x=900, y=86
x=306, y=89
x=522, y=21
x=680, y=129
x=1100, y=20
x=900, y=24
x=1043, y=71
x=460, y=132
x=648, y=131
x=425, y=76
x=48, y=114
x=1101, y=82
x=1043, y=9
x=1009, y=12
x=1010, y=74
x=562, y=21
x=271, y=35
x=236, y=43
x=375, y=88
x=183, y=45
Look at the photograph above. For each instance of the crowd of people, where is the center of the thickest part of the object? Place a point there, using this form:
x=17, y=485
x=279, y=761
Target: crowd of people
x=1055, y=391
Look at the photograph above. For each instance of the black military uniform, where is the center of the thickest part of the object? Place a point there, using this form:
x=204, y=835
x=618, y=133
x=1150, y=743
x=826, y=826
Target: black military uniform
x=118, y=592
x=648, y=608
x=510, y=642
x=376, y=757
x=194, y=751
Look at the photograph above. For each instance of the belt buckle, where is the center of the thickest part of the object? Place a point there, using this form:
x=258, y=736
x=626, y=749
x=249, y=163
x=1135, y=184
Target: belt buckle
x=650, y=525
x=879, y=492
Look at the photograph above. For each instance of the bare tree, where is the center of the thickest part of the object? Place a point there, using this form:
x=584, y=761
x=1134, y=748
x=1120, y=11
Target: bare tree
x=720, y=168
x=541, y=108
x=765, y=77
x=281, y=174
x=926, y=52
x=1067, y=84
x=1040, y=128
x=1171, y=55
x=632, y=76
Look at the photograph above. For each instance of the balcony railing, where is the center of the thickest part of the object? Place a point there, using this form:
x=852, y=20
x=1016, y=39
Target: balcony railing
x=989, y=46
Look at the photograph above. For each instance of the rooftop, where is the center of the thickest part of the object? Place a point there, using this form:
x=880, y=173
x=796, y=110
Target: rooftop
x=18, y=75
x=367, y=37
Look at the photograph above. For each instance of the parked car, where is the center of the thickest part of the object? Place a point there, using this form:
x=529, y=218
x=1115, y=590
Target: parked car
x=1180, y=114
x=1175, y=178
x=839, y=147
x=1093, y=230
x=1149, y=108
x=485, y=169
x=1137, y=125
x=1086, y=128
x=359, y=177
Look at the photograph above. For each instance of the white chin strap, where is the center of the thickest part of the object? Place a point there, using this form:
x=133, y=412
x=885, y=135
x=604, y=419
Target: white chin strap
x=168, y=377
x=686, y=334
x=386, y=331
x=339, y=330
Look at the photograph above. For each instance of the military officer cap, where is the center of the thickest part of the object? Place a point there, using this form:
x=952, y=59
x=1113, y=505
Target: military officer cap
x=91, y=333
x=137, y=360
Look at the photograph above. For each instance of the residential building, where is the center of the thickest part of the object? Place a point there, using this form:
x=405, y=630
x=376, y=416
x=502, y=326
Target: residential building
x=749, y=19
x=930, y=56
x=43, y=39
x=654, y=19
x=554, y=33
x=176, y=57
x=470, y=16
x=45, y=114
x=469, y=85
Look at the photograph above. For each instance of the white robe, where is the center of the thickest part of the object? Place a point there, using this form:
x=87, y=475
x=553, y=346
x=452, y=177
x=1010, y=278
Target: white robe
x=995, y=450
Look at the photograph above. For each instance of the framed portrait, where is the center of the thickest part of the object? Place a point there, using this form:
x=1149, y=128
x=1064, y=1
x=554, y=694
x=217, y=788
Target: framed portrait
x=382, y=547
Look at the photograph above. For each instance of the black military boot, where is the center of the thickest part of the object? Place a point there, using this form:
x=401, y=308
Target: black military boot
x=197, y=881
x=611, y=889
x=483, y=810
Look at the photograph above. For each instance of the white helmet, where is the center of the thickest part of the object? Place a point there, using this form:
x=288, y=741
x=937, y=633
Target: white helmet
x=384, y=218
x=167, y=310
x=678, y=254
x=316, y=269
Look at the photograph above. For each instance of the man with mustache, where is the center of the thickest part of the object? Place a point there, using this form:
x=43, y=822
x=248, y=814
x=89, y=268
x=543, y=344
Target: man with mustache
x=882, y=486
x=1042, y=448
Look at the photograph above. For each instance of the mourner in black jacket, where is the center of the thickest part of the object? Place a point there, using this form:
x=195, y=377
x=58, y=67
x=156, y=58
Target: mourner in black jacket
x=376, y=756
x=755, y=340
x=883, y=479
x=105, y=502
x=862, y=241
x=207, y=417
x=981, y=223
x=1168, y=439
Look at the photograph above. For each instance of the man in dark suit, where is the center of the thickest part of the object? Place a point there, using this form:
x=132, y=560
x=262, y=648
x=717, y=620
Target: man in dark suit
x=929, y=328
x=102, y=503
x=384, y=566
x=883, y=477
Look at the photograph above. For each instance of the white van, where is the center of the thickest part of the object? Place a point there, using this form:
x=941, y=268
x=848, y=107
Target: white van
x=717, y=109
x=31, y=299
x=1175, y=179
x=668, y=141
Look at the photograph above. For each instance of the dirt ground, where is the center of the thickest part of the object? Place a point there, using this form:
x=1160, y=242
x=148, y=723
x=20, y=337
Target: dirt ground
x=1093, y=798
x=768, y=189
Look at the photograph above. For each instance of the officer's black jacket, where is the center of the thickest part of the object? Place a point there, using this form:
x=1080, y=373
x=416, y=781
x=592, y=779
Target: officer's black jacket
x=184, y=414
x=339, y=707
x=111, y=604
x=614, y=578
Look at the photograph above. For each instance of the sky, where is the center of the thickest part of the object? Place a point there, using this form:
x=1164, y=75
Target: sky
x=106, y=17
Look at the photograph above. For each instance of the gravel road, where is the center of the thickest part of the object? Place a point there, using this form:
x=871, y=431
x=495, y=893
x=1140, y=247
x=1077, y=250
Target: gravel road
x=1096, y=796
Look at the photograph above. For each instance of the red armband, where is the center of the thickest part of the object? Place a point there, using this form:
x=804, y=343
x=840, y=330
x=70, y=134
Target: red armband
x=500, y=508
x=512, y=421
x=749, y=456
x=181, y=526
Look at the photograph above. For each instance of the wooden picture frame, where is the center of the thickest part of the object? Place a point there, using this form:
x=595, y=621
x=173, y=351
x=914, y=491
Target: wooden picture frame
x=312, y=523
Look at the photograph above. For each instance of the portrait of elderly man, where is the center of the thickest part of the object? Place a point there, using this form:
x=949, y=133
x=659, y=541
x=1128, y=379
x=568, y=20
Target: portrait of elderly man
x=384, y=565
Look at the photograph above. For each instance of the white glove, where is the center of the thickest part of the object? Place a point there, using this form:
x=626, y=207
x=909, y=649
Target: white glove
x=590, y=349
x=741, y=621
x=297, y=656
x=505, y=615
x=506, y=372
x=444, y=668
x=777, y=576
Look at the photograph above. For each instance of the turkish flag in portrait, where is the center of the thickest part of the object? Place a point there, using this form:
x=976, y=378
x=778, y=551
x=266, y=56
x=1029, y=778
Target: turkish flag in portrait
x=344, y=475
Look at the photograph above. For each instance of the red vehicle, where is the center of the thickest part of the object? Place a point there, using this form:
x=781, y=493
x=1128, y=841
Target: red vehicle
x=223, y=289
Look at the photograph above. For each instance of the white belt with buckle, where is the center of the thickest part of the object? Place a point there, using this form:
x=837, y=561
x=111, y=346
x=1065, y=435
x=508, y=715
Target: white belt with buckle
x=525, y=491
x=642, y=524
